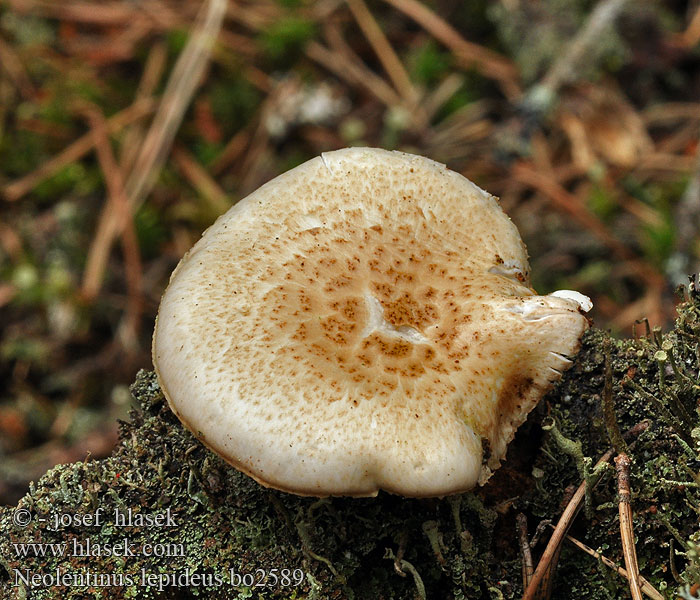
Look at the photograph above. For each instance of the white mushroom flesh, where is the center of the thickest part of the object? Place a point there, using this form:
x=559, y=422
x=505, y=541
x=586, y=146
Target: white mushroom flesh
x=362, y=322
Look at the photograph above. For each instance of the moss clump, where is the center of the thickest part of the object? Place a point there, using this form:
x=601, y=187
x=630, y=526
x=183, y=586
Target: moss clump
x=231, y=538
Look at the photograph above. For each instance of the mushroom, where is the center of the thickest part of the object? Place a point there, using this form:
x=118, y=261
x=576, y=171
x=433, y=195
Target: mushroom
x=362, y=322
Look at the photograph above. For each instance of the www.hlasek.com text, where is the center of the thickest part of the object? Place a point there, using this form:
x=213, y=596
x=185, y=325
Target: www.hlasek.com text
x=88, y=548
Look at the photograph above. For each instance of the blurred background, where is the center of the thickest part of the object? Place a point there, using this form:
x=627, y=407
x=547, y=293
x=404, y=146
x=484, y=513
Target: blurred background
x=126, y=127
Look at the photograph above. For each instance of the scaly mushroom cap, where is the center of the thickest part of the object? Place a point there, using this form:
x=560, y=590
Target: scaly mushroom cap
x=361, y=322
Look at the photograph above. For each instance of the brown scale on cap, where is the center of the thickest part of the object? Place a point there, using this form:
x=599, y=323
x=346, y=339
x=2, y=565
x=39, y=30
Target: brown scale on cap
x=361, y=322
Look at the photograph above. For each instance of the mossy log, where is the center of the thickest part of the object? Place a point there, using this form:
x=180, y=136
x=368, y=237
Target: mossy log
x=163, y=517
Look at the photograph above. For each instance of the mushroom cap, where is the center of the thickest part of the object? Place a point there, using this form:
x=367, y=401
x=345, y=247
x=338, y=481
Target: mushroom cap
x=361, y=322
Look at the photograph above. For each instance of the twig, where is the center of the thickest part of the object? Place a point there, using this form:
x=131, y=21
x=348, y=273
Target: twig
x=254, y=15
x=10, y=242
x=111, y=14
x=10, y=62
x=649, y=306
x=383, y=49
x=462, y=134
x=691, y=36
x=254, y=160
x=542, y=577
x=439, y=96
x=647, y=589
x=7, y=293
x=572, y=205
x=121, y=44
x=680, y=140
x=152, y=73
x=687, y=223
x=182, y=83
x=668, y=112
x=525, y=550
x=240, y=45
x=353, y=73
x=209, y=189
x=489, y=63
x=232, y=151
x=664, y=161
x=261, y=80
x=622, y=468
x=75, y=151
x=386, y=55
x=568, y=66
x=132, y=258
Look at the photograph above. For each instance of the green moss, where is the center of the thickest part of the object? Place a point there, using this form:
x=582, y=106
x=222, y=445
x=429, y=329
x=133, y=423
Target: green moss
x=234, y=101
x=534, y=35
x=283, y=40
x=602, y=203
x=428, y=64
x=150, y=230
x=74, y=177
x=20, y=151
x=384, y=547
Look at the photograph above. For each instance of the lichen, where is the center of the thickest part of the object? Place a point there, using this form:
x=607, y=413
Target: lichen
x=228, y=530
